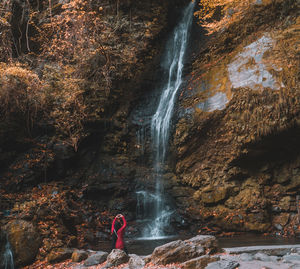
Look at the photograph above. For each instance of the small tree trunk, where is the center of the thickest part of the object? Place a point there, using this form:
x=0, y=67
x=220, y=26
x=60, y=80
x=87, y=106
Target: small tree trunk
x=298, y=207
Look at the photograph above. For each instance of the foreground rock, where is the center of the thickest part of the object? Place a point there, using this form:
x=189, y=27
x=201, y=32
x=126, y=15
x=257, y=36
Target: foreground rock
x=60, y=254
x=237, y=261
x=199, y=252
x=275, y=257
x=97, y=258
x=117, y=257
x=181, y=251
x=292, y=258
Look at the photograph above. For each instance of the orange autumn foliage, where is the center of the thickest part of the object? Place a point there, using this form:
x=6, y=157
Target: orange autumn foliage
x=72, y=33
x=5, y=33
x=216, y=15
x=20, y=96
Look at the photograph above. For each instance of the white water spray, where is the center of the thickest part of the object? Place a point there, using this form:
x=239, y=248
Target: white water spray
x=161, y=120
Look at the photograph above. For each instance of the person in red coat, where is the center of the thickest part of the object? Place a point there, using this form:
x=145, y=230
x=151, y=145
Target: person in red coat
x=117, y=231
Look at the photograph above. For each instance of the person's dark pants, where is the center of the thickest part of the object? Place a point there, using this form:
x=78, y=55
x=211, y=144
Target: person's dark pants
x=113, y=242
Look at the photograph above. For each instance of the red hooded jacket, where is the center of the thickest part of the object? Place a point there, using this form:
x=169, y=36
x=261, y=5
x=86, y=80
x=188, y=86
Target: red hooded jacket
x=120, y=233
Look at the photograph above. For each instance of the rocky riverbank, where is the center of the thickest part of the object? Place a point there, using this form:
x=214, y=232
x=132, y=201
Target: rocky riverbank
x=195, y=253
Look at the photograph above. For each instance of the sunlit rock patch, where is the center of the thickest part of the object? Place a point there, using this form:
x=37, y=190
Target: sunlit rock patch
x=214, y=92
x=249, y=69
x=252, y=66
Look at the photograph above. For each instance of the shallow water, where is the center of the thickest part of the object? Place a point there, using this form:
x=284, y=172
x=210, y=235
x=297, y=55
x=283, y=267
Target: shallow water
x=146, y=247
x=140, y=246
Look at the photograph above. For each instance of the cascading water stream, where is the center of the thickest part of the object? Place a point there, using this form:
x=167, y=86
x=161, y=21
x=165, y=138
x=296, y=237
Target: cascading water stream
x=161, y=121
x=8, y=259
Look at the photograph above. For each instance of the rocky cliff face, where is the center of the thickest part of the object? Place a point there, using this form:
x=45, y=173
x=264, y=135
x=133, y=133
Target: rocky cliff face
x=234, y=162
x=236, y=138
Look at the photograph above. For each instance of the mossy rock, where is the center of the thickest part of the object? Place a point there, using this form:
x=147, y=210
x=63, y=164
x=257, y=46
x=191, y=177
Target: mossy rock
x=58, y=255
x=294, y=184
x=214, y=195
x=285, y=203
x=25, y=241
x=281, y=219
x=257, y=227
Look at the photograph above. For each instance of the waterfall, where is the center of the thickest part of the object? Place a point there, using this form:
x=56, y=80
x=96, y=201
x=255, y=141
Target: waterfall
x=160, y=125
x=8, y=260
x=161, y=121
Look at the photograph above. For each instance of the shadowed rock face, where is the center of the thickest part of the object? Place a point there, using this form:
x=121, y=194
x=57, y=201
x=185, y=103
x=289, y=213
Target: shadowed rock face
x=104, y=160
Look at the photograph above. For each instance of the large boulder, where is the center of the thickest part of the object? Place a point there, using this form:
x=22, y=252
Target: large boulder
x=25, y=241
x=117, y=257
x=97, y=258
x=181, y=251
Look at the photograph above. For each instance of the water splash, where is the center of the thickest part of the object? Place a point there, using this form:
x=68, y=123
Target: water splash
x=161, y=120
x=146, y=213
x=145, y=202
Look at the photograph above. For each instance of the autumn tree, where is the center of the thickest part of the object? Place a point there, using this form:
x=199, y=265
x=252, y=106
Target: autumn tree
x=5, y=30
x=66, y=64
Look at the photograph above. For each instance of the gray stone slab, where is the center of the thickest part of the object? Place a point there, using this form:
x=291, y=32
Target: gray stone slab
x=280, y=250
x=270, y=265
x=265, y=258
x=246, y=257
x=291, y=258
x=223, y=264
